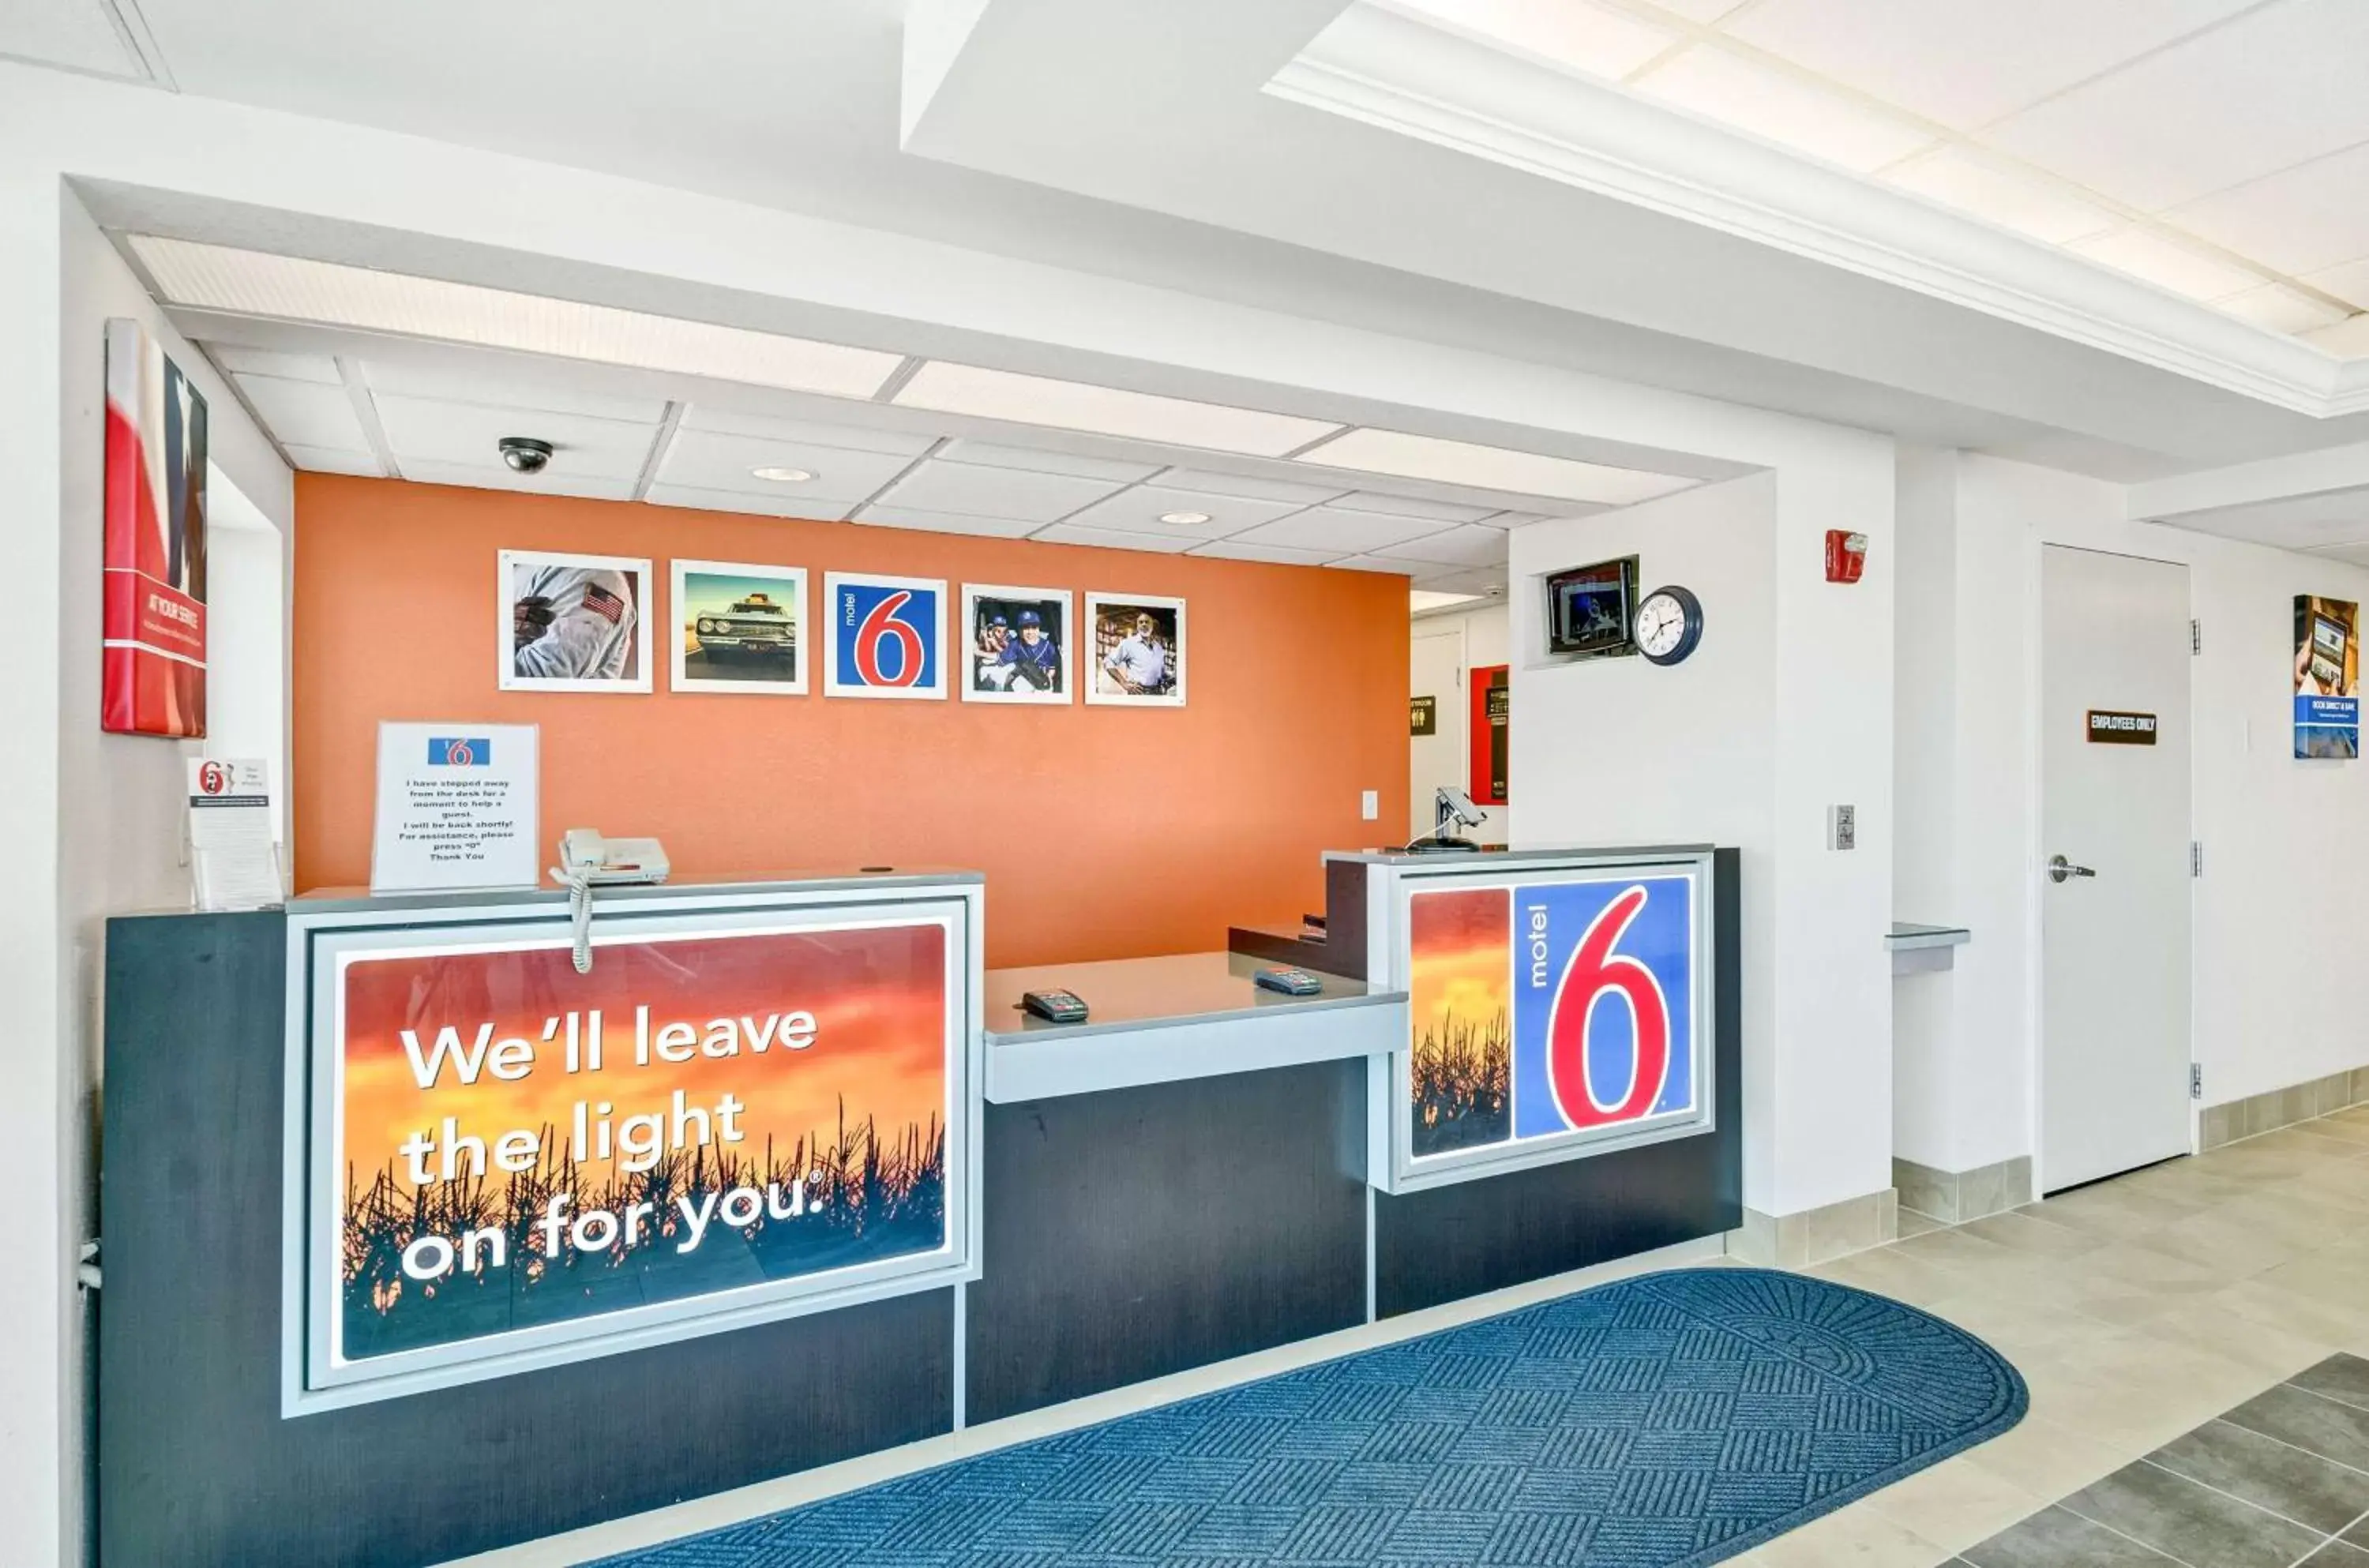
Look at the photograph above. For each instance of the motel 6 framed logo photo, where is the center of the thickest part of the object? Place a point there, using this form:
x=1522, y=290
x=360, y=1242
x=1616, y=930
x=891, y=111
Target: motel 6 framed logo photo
x=1551, y=1013
x=883, y=637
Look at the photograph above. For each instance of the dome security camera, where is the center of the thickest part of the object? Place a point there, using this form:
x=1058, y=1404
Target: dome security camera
x=525, y=454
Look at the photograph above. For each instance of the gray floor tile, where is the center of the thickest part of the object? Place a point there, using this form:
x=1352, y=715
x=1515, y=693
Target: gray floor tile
x=2359, y=1535
x=2055, y=1538
x=2340, y=1376
x=2202, y=1527
x=2270, y=1474
x=2322, y=1426
x=2336, y=1555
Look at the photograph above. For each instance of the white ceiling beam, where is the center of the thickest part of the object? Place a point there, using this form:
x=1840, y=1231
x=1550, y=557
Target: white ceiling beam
x=2329, y=470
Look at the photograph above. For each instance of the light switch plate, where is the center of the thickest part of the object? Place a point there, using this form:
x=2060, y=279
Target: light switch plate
x=1370, y=803
x=1842, y=827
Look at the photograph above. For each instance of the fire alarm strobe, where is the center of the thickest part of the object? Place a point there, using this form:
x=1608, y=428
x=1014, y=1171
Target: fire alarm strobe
x=1846, y=555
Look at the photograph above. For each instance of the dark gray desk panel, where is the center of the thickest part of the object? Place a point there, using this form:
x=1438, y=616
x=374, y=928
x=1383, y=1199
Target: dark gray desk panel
x=195, y=1465
x=1141, y=1231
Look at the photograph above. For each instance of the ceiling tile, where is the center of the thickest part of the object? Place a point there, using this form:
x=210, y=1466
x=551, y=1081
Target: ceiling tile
x=1273, y=555
x=798, y=509
x=1113, y=539
x=2350, y=282
x=2168, y=264
x=237, y=359
x=71, y=33
x=1704, y=11
x=945, y=521
x=1966, y=63
x=494, y=389
x=2296, y=221
x=2282, y=309
x=326, y=460
x=936, y=485
x=2272, y=87
x=1235, y=485
x=1106, y=410
x=1784, y=108
x=1490, y=467
x=1577, y=34
x=1341, y=531
x=305, y=413
x=1470, y=546
x=2349, y=338
x=713, y=461
x=422, y=430
x=1524, y=518
x=1403, y=506
x=2358, y=555
x=1485, y=583
x=1999, y=191
x=592, y=487
x=1139, y=511
x=806, y=432
x=1030, y=460
x=1377, y=564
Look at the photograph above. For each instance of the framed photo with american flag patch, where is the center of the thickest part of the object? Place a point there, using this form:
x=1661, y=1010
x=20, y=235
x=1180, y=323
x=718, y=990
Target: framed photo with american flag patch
x=574, y=622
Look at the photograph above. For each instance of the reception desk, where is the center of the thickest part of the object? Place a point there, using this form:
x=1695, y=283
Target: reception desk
x=1204, y=1169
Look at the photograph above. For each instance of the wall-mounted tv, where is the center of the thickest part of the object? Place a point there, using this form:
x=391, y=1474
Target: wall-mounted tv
x=1590, y=610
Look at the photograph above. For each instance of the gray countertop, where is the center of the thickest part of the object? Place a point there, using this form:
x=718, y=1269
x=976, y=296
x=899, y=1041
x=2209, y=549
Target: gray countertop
x=1128, y=994
x=1497, y=857
x=833, y=880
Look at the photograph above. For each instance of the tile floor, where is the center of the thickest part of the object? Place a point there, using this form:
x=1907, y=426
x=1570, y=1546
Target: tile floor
x=2140, y=1310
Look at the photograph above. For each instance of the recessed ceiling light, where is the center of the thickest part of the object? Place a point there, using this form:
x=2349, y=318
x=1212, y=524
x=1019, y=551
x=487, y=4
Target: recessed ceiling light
x=784, y=475
x=1107, y=411
x=248, y=283
x=1491, y=467
x=1184, y=519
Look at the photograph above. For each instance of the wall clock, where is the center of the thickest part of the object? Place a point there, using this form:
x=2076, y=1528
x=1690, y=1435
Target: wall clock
x=1669, y=624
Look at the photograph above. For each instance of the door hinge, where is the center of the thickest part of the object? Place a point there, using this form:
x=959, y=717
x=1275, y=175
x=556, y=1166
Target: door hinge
x=2195, y=859
x=2196, y=1081
x=2195, y=636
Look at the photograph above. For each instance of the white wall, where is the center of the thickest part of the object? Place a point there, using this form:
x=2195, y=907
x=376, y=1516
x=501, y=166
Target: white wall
x=2280, y=920
x=1718, y=750
x=1480, y=637
x=247, y=571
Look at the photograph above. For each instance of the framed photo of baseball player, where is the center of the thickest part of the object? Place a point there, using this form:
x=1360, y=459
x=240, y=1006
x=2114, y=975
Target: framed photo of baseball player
x=574, y=623
x=1016, y=645
x=738, y=627
x=1137, y=650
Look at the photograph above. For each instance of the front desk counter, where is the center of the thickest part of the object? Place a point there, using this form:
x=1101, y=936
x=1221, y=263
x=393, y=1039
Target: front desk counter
x=1181, y=1180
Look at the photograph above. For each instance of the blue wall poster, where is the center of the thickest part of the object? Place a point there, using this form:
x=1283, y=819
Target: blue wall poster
x=2326, y=677
x=883, y=637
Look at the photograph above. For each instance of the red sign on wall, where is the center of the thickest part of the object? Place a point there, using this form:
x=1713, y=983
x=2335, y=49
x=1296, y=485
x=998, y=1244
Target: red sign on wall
x=154, y=680
x=1492, y=711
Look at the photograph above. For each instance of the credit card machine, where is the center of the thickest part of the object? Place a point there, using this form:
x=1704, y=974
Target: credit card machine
x=1291, y=983
x=1055, y=1006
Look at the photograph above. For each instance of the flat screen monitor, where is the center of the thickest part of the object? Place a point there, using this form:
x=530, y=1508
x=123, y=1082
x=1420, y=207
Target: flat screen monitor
x=1589, y=610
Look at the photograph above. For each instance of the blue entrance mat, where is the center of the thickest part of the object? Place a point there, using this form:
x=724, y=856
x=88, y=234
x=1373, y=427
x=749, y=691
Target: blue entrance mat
x=1670, y=1420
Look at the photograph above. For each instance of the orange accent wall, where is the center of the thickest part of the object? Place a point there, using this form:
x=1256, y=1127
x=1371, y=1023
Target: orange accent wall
x=1104, y=833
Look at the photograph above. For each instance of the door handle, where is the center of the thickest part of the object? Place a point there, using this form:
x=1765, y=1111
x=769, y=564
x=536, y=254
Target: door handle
x=2063, y=870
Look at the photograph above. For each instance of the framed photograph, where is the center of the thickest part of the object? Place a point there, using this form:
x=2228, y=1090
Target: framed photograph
x=739, y=627
x=883, y=637
x=1016, y=644
x=574, y=623
x=1137, y=650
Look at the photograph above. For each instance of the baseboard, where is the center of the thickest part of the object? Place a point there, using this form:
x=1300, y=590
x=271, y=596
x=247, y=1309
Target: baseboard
x=1956, y=1196
x=1816, y=1235
x=2275, y=1108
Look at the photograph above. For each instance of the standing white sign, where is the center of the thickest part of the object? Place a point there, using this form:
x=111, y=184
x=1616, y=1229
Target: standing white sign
x=457, y=807
x=233, y=863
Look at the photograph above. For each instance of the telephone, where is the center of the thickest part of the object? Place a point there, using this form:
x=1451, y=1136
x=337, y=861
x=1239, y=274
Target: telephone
x=585, y=855
x=588, y=861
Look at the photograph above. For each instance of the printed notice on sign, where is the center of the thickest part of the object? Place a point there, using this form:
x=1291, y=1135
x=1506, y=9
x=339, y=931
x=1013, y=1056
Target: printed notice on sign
x=456, y=807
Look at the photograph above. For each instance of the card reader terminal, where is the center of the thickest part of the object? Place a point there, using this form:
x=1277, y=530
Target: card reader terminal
x=1055, y=1006
x=1291, y=983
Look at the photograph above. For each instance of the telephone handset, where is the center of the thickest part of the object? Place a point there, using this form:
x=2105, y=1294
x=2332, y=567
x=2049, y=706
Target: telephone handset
x=588, y=861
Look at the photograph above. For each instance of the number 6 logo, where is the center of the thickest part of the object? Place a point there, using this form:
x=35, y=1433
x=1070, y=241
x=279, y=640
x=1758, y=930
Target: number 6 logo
x=882, y=625
x=1593, y=971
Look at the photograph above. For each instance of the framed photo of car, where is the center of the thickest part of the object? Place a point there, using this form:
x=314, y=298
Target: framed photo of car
x=1016, y=644
x=740, y=628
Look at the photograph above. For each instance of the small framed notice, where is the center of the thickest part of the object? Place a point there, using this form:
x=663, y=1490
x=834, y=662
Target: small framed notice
x=2108, y=727
x=457, y=807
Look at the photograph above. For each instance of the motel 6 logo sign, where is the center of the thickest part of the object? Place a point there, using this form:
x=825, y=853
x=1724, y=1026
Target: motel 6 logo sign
x=1604, y=1003
x=886, y=638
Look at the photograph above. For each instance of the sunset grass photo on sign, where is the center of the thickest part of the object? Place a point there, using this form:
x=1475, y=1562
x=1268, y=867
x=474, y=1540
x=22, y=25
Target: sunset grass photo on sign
x=1460, y=1002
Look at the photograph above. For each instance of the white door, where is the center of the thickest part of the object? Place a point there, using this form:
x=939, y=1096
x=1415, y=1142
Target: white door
x=2115, y=913
x=1438, y=758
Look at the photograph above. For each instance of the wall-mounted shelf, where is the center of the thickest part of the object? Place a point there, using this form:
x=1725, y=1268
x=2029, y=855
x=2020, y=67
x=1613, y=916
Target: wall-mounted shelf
x=1919, y=949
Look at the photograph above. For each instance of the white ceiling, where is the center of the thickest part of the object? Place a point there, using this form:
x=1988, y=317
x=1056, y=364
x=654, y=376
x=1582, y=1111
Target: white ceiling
x=2217, y=148
x=348, y=409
